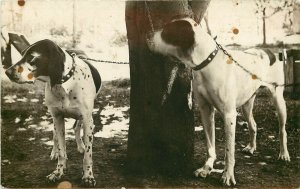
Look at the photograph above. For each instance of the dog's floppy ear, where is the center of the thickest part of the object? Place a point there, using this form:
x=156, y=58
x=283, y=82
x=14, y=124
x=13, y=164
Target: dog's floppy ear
x=56, y=63
x=179, y=33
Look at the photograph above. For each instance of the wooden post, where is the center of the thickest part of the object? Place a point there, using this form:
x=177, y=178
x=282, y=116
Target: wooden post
x=296, y=70
x=288, y=70
x=160, y=136
x=264, y=26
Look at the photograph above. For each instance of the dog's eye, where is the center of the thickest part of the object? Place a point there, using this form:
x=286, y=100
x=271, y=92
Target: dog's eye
x=31, y=60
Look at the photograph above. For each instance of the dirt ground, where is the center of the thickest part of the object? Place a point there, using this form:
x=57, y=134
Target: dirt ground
x=25, y=160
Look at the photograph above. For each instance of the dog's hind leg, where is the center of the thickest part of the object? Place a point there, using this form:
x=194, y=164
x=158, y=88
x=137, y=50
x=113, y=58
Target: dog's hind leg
x=59, y=125
x=77, y=128
x=207, y=116
x=277, y=94
x=247, y=111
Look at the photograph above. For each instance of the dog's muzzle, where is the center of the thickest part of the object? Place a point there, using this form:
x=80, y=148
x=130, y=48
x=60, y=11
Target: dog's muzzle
x=14, y=76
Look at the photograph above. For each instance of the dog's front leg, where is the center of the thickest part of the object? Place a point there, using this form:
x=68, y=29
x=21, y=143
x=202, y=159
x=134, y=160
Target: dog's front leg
x=59, y=126
x=54, y=152
x=207, y=117
x=88, y=176
x=230, y=124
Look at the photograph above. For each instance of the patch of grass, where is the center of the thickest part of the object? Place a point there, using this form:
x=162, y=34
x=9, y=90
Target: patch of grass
x=14, y=88
x=120, y=83
x=115, y=93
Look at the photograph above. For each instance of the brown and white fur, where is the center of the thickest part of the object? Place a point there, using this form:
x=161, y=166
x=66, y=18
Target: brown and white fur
x=47, y=62
x=224, y=86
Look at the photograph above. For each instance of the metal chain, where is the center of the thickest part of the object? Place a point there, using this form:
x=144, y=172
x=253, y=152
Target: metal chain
x=170, y=83
x=254, y=76
x=149, y=17
x=105, y=61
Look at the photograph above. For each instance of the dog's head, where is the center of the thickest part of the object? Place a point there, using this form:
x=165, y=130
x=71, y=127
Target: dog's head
x=43, y=60
x=178, y=39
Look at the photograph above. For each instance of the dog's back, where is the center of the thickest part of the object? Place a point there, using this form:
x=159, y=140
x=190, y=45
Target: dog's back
x=274, y=72
x=263, y=63
x=95, y=74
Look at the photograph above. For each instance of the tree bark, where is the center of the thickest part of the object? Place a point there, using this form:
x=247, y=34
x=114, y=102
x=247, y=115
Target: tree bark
x=160, y=135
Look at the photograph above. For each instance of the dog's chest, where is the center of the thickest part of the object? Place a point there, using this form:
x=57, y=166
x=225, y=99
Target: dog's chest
x=74, y=104
x=59, y=97
x=77, y=92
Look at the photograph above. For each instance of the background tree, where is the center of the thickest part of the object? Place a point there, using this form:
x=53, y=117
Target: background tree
x=74, y=42
x=160, y=135
x=268, y=8
x=207, y=23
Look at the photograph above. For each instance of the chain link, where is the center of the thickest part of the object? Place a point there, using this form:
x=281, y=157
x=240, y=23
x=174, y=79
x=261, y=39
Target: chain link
x=149, y=17
x=254, y=76
x=104, y=61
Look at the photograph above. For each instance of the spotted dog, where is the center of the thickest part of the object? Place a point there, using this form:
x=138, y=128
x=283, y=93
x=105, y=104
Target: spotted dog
x=219, y=83
x=71, y=87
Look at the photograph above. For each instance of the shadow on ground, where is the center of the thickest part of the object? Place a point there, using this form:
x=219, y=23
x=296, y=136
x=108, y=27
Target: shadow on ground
x=25, y=149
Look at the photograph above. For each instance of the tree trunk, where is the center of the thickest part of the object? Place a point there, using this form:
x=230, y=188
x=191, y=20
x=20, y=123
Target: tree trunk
x=74, y=42
x=264, y=26
x=160, y=136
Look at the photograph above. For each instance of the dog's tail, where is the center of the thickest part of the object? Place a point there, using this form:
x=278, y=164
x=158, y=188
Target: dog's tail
x=271, y=56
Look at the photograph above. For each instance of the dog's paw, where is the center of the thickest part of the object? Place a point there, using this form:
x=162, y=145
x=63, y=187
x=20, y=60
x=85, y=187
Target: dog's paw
x=203, y=171
x=89, y=181
x=54, y=176
x=228, y=178
x=284, y=156
x=81, y=148
x=53, y=155
x=249, y=150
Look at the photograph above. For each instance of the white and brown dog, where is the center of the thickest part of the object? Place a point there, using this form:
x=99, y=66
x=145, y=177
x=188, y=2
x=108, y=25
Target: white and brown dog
x=71, y=88
x=219, y=83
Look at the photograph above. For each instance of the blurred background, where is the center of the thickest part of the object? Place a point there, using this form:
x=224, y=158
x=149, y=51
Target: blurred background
x=98, y=26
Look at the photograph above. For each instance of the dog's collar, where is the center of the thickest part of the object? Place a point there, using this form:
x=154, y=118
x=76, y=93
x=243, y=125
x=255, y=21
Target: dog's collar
x=205, y=62
x=71, y=72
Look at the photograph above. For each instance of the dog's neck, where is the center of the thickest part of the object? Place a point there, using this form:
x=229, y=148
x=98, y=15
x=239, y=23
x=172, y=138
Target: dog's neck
x=64, y=86
x=205, y=45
